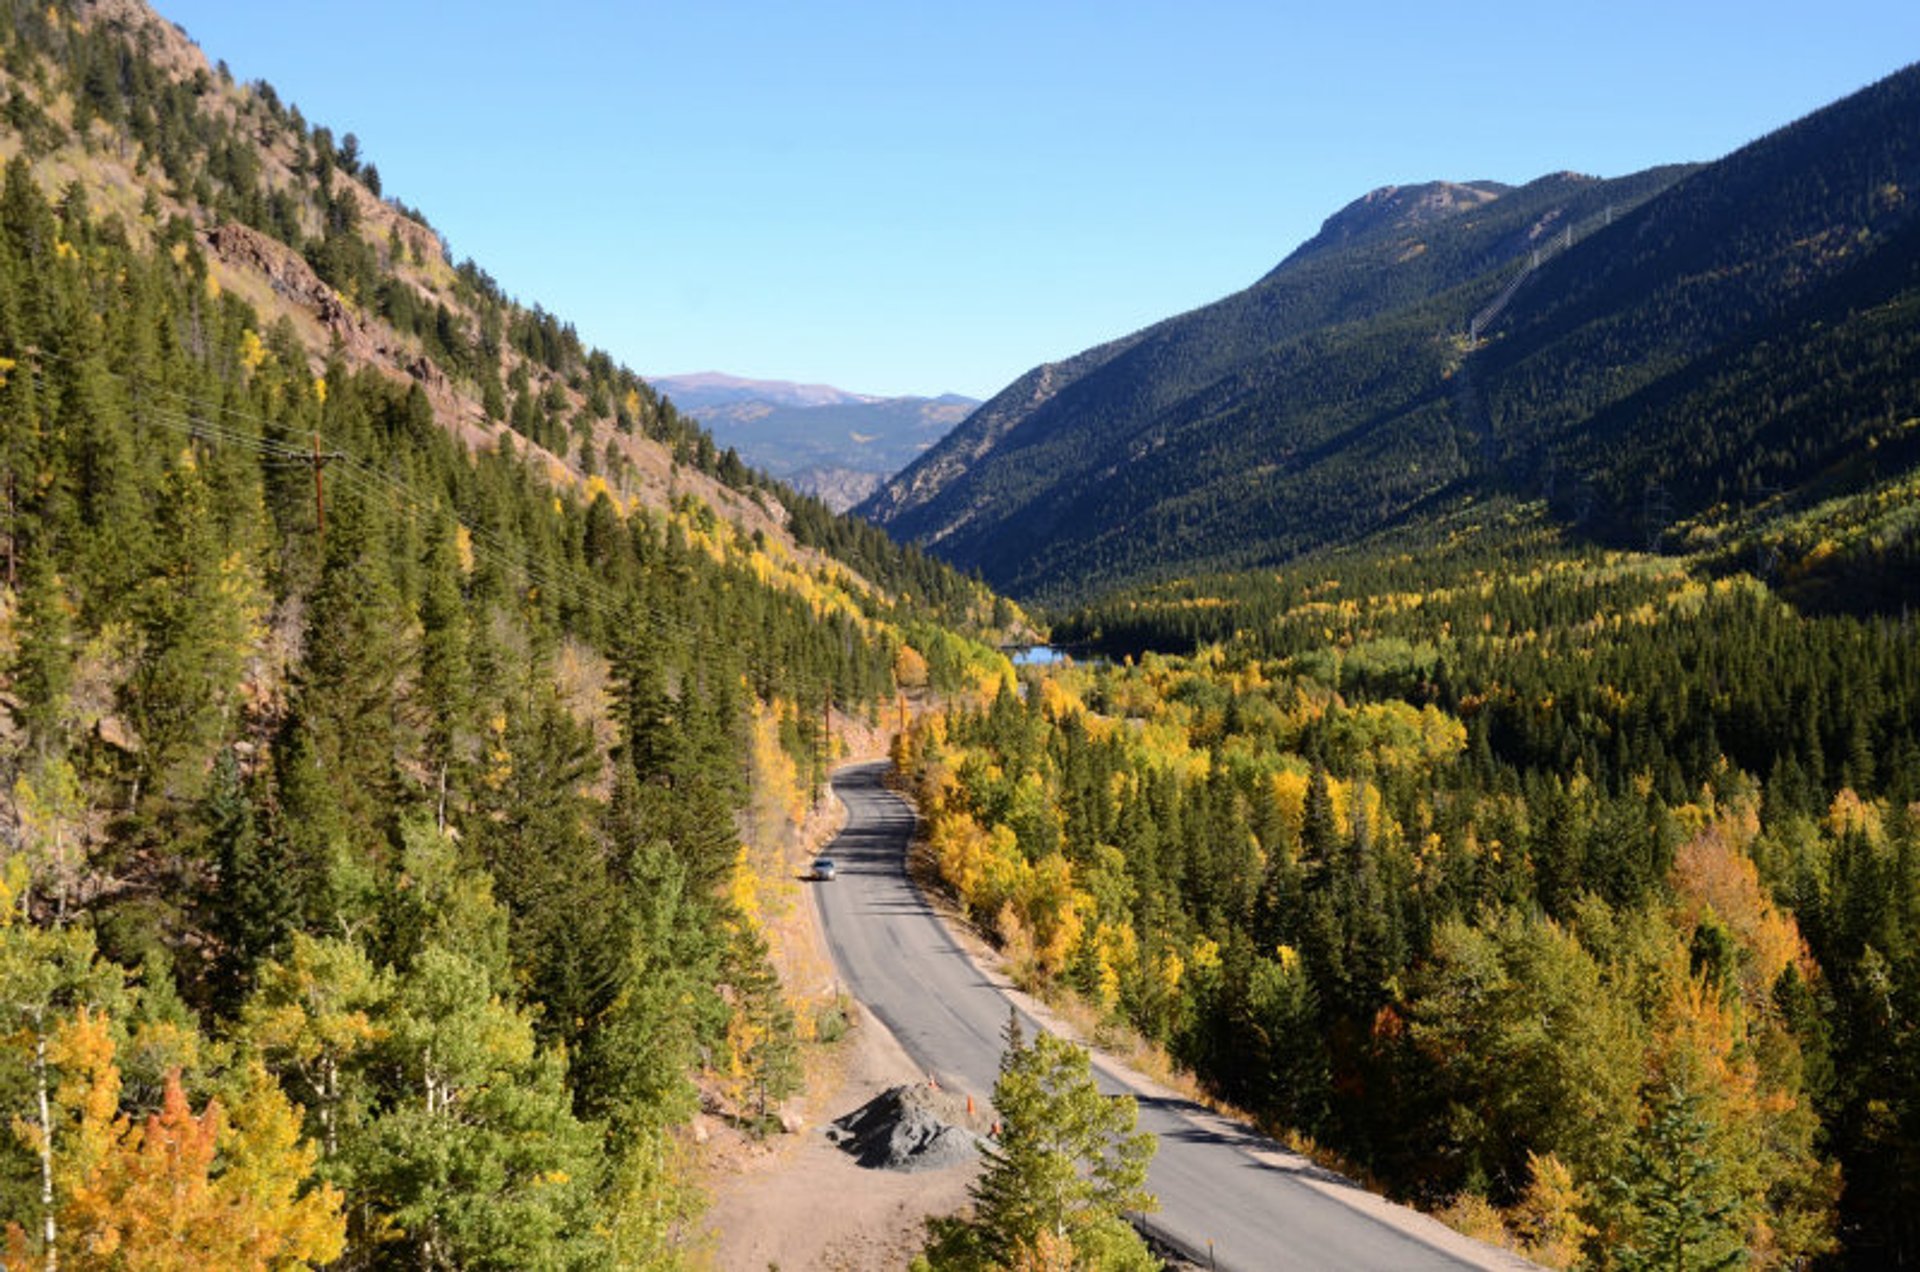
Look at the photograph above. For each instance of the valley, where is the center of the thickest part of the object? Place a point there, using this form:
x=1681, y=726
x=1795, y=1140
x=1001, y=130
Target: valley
x=1451, y=708
x=826, y=442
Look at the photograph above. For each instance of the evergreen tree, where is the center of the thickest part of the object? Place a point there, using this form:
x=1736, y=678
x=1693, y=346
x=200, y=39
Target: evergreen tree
x=1067, y=1166
x=1684, y=1215
x=43, y=657
x=252, y=904
x=195, y=615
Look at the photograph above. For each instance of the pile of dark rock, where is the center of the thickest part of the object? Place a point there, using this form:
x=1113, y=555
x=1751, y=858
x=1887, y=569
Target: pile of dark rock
x=910, y=1128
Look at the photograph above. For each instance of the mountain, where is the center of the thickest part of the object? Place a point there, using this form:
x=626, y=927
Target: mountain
x=716, y=388
x=825, y=441
x=1158, y=449
x=1642, y=351
x=284, y=216
x=402, y=710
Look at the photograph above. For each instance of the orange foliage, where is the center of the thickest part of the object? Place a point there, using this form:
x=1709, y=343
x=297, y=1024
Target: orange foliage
x=1713, y=875
x=909, y=668
x=153, y=1201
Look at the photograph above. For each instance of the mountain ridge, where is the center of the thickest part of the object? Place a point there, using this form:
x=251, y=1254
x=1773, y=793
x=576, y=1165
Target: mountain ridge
x=1118, y=403
x=825, y=441
x=1344, y=391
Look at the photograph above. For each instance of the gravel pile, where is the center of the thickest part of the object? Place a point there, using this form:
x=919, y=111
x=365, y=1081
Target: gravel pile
x=908, y=1128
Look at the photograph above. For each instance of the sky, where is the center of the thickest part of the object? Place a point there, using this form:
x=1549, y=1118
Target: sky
x=898, y=196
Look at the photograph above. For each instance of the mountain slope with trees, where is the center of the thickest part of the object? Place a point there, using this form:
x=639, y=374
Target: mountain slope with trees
x=403, y=712
x=1682, y=343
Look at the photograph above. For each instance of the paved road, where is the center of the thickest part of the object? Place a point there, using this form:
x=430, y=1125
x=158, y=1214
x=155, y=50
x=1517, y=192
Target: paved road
x=1261, y=1207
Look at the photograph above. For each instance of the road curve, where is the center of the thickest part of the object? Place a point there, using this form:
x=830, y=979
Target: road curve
x=1220, y=1185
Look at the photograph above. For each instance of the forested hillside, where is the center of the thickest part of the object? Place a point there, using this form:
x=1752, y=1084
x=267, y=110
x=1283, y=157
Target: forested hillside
x=402, y=708
x=1684, y=344
x=1291, y=414
x=1572, y=892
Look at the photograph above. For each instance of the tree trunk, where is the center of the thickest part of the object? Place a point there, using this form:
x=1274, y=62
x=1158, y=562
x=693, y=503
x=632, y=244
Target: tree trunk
x=49, y=1227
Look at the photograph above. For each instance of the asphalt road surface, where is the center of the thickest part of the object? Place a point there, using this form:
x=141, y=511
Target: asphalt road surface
x=1222, y=1188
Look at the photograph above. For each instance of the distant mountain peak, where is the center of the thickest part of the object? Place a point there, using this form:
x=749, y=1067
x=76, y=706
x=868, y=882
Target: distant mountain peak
x=826, y=441
x=717, y=386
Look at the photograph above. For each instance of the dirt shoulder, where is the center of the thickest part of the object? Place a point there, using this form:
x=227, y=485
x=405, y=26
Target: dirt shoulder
x=803, y=1203
x=796, y=1201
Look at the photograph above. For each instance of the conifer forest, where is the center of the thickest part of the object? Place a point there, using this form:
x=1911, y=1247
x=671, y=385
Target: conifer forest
x=405, y=713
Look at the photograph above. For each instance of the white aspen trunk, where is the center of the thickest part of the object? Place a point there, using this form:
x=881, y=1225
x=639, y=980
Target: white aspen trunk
x=49, y=1227
x=330, y=1092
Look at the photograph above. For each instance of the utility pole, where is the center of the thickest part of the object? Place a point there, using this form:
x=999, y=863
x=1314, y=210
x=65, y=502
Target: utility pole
x=319, y=460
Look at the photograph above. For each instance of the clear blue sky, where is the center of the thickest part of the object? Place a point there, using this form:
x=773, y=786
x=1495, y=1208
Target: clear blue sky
x=896, y=196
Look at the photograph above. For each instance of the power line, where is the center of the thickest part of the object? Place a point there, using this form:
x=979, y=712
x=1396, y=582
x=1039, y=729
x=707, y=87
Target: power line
x=364, y=476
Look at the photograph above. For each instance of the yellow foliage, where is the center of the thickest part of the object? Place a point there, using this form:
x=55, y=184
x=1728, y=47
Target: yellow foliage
x=1851, y=815
x=909, y=668
x=1290, y=796
x=1048, y=1251
x=499, y=758
x=1117, y=952
x=774, y=774
x=1548, y=1217
x=253, y=352
x=1057, y=700
x=14, y=878
x=1172, y=971
x=81, y=1049
x=1475, y=1216
x=268, y=1164
x=743, y=889
x=963, y=850
x=1053, y=911
x=155, y=1200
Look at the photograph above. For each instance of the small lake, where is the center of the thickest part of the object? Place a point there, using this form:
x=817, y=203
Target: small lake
x=1038, y=656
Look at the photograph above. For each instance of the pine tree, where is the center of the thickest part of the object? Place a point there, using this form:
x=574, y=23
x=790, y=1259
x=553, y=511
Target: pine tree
x=1290, y=1039
x=253, y=905
x=43, y=658
x=446, y=686
x=763, y=1057
x=1685, y=1215
x=195, y=615
x=1068, y=1163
